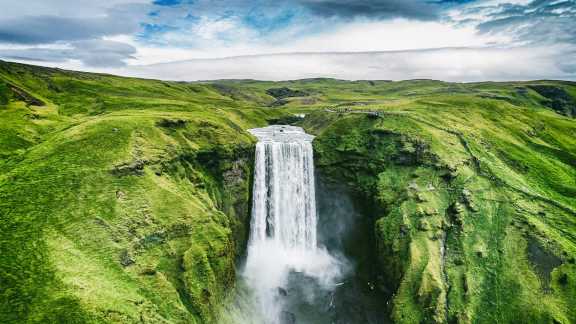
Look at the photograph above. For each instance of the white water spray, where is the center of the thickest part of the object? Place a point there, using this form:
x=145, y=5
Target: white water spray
x=284, y=220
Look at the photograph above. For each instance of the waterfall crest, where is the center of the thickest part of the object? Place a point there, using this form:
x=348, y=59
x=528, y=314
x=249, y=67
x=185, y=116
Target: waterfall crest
x=283, y=237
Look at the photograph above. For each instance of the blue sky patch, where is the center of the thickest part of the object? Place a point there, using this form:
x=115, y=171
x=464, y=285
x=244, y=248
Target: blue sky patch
x=167, y=2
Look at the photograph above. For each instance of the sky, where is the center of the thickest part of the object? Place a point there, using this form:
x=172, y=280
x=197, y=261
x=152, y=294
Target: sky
x=452, y=40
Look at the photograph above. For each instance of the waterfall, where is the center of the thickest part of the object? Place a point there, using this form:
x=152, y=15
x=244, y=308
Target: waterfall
x=284, y=205
x=283, y=238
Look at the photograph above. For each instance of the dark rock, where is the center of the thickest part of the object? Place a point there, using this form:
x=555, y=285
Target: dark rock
x=284, y=92
x=29, y=99
x=563, y=280
x=148, y=271
x=152, y=239
x=120, y=194
x=279, y=103
x=373, y=115
x=125, y=169
x=285, y=120
x=404, y=229
x=125, y=259
x=172, y=123
x=543, y=261
x=556, y=98
x=282, y=292
x=455, y=212
x=287, y=318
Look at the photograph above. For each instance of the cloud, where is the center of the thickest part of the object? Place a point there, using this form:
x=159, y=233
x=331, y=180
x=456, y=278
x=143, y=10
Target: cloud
x=536, y=22
x=50, y=29
x=93, y=53
x=46, y=29
x=65, y=30
x=379, y=9
x=275, y=21
x=450, y=64
x=470, y=39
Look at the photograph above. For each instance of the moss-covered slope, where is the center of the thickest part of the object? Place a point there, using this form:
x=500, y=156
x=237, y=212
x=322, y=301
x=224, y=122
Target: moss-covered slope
x=121, y=200
x=477, y=216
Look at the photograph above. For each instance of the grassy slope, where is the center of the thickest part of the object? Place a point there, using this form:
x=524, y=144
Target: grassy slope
x=122, y=200
x=475, y=183
x=466, y=185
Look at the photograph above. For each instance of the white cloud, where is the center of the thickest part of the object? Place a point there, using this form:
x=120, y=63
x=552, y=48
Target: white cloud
x=360, y=36
x=451, y=64
x=393, y=35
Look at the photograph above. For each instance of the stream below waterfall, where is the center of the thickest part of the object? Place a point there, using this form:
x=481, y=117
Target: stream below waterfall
x=297, y=267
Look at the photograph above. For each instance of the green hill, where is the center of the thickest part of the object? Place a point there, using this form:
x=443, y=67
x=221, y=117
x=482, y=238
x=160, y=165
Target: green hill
x=127, y=200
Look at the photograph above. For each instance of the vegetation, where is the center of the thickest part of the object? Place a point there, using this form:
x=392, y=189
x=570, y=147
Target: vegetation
x=127, y=200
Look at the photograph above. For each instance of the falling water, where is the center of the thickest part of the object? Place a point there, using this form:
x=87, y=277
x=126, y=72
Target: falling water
x=283, y=240
x=284, y=206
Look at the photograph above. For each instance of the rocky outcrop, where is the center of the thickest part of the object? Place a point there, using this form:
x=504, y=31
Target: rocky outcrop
x=285, y=92
x=557, y=98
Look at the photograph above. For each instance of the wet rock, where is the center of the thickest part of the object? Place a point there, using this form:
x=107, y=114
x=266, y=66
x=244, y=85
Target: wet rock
x=287, y=318
x=282, y=292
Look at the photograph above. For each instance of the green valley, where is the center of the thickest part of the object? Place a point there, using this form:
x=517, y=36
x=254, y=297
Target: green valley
x=127, y=200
